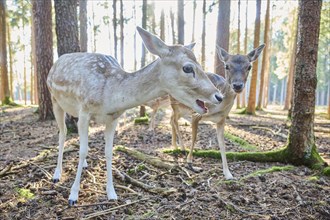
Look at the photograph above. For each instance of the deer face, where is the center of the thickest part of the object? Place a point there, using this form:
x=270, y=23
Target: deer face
x=180, y=74
x=238, y=66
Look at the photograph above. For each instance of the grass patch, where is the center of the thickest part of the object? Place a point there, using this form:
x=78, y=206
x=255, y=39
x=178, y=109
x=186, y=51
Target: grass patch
x=244, y=144
x=326, y=171
x=141, y=120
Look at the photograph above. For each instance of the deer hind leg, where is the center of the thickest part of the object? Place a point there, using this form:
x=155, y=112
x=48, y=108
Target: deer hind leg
x=194, y=126
x=83, y=124
x=153, y=118
x=221, y=141
x=60, y=119
x=175, y=129
x=109, y=135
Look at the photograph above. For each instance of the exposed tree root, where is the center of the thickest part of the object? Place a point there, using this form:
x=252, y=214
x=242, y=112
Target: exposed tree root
x=158, y=190
x=11, y=169
x=146, y=158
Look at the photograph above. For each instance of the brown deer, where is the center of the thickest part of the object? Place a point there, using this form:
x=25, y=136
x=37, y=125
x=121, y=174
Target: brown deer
x=94, y=86
x=237, y=71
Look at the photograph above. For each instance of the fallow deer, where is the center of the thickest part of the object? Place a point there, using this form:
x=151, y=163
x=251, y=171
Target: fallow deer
x=156, y=104
x=94, y=86
x=237, y=71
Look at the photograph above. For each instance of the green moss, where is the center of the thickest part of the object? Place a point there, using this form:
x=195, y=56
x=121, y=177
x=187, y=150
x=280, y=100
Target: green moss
x=25, y=193
x=242, y=112
x=313, y=178
x=244, y=144
x=326, y=171
x=269, y=170
x=268, y=156
x=141, y=120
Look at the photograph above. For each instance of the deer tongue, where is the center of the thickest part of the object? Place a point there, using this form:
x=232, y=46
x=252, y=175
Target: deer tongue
x=201, y=104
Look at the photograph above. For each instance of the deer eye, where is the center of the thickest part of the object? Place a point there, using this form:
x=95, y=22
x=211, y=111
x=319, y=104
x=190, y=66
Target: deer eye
x=249, y=68
x=188, y=69
x=227, y=67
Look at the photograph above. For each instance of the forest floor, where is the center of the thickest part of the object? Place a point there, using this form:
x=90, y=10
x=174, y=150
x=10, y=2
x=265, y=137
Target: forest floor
x=28, y=155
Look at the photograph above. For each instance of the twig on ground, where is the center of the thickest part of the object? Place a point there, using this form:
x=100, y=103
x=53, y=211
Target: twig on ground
x=107, y=211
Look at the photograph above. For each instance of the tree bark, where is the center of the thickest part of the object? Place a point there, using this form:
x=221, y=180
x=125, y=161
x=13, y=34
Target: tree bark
x=11, y=72
x=289, y=87
x=265, y=57
x=3, y=55
x=67, y=38
x=243, y=94
x=194, y=21
x=121, y=33
x=301, y=142
x=162, y=25
x=143, y=57
x=251, y=108
x=42, y=19
x=114, y=22
x=83, y=25
x=222, y=39
x=238, y=97
x=203, y=35
x=181, y=22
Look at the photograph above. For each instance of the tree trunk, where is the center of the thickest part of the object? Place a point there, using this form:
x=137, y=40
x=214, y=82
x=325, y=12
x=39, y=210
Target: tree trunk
x=172, y=25
x=243, y=96
x=194, y=21
x=114, y=22
x=67, y=38
x=203, y=35
x=11, y=72
x=83, y=25
x=3, y=55
x=265, y=57
x=289, y=87
x=162, y=25
x=42, y=19
x=251, y=108
x=329, y=99
x=222, y=39
x=238, y=100
x=143, y=57
x=181, y=22
x=301, y=142
x=121, y=33
x=135, y=57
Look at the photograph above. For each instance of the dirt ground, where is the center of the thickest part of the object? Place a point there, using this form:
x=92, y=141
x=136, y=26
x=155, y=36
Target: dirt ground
x=28, y=155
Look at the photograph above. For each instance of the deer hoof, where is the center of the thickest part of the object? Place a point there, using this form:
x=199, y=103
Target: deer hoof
x=72, y=202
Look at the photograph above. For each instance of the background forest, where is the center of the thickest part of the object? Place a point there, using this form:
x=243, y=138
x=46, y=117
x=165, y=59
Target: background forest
x=111, y=30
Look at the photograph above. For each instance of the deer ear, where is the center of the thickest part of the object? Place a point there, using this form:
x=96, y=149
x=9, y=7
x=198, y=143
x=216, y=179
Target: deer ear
x=190, y=46
x=153, y=43
x=254, y=54
x=222, y=54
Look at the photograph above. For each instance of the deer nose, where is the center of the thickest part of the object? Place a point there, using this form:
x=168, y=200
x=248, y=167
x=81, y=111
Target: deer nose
x=238, y=86
x=218, y=97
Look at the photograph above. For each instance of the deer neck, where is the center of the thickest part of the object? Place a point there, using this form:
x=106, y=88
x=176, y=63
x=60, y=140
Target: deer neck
x=134, y=89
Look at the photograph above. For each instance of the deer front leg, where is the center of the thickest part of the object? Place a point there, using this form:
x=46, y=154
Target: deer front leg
x=152, y=120
x=83, y=124
x=221, y=141
x=109, y=135
x=60, y=119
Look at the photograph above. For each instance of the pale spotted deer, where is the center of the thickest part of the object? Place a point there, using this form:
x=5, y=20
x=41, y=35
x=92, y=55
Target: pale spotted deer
x=237, y=71
x=94, y=86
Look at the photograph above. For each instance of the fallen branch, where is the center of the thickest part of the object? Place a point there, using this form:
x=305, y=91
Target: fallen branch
x=10, y=169
x=158, y=190
x=270, y=130
x=146, y=158
x=107, y=211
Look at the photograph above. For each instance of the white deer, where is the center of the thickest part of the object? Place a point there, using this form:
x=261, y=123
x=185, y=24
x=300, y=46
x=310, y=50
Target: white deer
x=94, y=86
x=237, y=71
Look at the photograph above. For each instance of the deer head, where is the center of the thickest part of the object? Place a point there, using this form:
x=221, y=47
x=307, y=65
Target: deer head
x=238, y=66
x=180, y=74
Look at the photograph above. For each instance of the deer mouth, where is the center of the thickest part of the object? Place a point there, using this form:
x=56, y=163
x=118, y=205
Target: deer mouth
x=201, y=104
